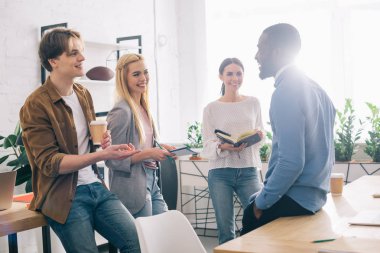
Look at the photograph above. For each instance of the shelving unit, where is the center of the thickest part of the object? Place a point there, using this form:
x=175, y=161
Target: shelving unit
x=107, y=53
x=112, y=46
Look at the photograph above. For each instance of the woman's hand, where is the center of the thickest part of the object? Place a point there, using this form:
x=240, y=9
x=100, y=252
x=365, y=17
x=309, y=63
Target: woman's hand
x=119, y=152
x=159, y=154
x=261, y=134
x=230, y=147
x=169, y=147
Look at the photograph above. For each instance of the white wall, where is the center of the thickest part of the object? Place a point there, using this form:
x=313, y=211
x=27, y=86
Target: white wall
x=101, y=21
x=20, y=21
x=179, y=25
x=181, y=65
x=193, y=65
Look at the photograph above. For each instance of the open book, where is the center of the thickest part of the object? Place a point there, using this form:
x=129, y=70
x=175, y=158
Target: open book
x=250, y=137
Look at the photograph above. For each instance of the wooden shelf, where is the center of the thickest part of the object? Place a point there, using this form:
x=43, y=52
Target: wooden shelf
x=111, y=46
x=87, y=82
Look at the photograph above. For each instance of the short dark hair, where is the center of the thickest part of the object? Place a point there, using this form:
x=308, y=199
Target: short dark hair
x=224, y=64
x=53, y=43
x=284, y=35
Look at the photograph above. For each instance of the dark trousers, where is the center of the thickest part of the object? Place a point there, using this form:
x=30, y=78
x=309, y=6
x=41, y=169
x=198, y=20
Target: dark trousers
x=282, y=208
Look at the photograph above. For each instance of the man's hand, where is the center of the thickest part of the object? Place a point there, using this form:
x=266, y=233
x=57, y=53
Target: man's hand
x=120, y=152
x=257, y=212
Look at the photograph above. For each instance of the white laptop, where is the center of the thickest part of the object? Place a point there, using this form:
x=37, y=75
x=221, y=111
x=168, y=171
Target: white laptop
x=366, y=218
x=7, y=185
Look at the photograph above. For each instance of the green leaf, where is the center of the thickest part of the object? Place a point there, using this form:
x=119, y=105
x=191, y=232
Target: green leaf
x=194, y=135
x=13, y=163
x=346, y=134
x=10, y=141
x=24, y=174
x=23, y=159
x=2, y=159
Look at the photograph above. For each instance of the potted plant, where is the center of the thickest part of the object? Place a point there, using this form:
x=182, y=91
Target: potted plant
x=194, y=136
x=266, y=148
x=373, y=142
x=346, y=135
x=17, y=158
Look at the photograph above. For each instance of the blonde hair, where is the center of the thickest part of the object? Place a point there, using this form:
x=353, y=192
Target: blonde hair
x=123, y=93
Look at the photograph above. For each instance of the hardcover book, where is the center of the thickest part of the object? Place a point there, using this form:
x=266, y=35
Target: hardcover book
x=250, y=137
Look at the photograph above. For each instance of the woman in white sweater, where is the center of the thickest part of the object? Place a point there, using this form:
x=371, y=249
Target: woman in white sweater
x=232, y=169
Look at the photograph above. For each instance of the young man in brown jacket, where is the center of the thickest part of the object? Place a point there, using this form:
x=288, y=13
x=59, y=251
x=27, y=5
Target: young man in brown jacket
x=66, y=185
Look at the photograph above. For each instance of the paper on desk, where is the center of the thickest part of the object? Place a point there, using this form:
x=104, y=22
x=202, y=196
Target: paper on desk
x=366, y=218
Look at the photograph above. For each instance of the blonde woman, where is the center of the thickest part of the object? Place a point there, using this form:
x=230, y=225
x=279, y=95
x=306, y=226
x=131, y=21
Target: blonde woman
x=134, y=180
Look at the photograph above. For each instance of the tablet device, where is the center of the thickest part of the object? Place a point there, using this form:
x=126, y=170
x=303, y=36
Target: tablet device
x=183, y=151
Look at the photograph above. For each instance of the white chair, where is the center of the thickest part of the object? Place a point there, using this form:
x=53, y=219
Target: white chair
x=169, y=232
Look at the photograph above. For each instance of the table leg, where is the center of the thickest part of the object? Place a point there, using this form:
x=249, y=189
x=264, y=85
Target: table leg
x=12, y=243
x=348, y=172
x=46, y=244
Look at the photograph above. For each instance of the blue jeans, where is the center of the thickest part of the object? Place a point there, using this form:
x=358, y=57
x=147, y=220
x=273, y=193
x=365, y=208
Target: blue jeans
x=222, y=184
x=154, y=201
x=96, y=208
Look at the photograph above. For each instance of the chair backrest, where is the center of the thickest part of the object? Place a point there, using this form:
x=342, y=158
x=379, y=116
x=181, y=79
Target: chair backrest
x=169, y=232
x=169, y=182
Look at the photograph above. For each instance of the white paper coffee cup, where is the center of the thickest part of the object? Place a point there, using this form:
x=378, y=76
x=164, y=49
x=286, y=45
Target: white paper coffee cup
x=97, y=129
x=336, y=183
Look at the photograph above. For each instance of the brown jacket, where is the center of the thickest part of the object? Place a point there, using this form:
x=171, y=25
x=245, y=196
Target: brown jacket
x=48, y=135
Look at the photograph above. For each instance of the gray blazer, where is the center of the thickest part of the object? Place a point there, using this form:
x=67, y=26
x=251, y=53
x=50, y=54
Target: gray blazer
x=126, y=180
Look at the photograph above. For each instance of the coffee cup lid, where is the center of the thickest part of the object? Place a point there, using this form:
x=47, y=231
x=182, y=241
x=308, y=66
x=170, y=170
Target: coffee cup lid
x=337, y=175
x=98, y=122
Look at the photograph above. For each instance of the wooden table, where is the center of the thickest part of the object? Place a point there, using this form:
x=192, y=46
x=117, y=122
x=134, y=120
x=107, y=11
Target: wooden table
x=19, y=218
x=295, y=234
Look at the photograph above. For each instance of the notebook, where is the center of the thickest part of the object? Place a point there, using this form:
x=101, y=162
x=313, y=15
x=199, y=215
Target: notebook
x=7, y=185
x=366, y=218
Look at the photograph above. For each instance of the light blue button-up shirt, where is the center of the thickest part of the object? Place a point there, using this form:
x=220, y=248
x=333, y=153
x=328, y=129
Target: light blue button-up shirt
x=302, y=119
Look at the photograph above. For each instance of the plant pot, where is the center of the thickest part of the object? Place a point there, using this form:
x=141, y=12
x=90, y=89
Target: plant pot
x=196, y=156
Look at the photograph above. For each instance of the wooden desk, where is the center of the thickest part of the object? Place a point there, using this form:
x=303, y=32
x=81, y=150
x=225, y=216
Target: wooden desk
x=295, y=234
x=19, y=218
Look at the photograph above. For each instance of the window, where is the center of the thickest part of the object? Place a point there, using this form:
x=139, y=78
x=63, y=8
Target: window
x=340, y=45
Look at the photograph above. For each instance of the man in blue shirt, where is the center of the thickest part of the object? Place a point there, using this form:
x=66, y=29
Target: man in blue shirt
x=302, y=119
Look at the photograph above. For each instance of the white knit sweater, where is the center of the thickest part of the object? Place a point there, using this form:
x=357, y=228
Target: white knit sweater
x=234, y=118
